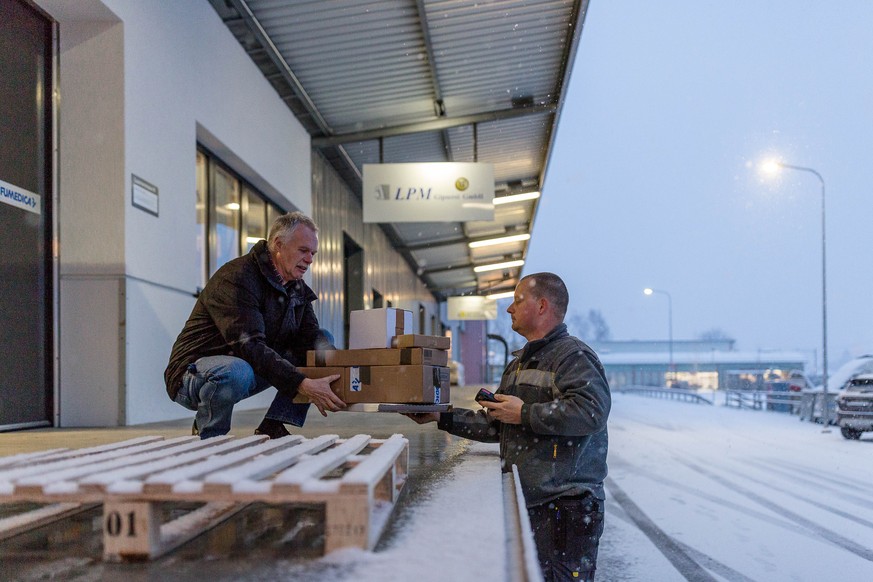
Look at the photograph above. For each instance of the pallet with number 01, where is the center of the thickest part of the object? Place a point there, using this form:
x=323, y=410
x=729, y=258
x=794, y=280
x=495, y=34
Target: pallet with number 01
x=357, y=480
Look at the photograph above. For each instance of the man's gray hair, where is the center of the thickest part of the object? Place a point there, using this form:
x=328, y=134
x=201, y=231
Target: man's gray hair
x=550, y=287
x=284, y=226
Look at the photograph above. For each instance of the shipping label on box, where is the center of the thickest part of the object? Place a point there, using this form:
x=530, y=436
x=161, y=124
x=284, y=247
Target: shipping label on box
x=354, y=379
x=436, y=342
x=374, y=328
x=378, y=357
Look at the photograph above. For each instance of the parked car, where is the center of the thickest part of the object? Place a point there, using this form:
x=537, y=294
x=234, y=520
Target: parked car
x=837, y=382
x=798, y=381
x=855, y=407
x=841, y=378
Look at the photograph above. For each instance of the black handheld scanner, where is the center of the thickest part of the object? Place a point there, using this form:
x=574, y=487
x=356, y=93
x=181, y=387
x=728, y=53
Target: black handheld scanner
x=485, y=394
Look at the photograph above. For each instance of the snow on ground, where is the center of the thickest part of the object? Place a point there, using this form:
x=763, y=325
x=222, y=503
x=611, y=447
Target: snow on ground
x=746, y=495
x=695, y=492
x=455, y=534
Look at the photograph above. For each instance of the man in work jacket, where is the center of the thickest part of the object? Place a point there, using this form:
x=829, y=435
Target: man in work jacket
x=550, y=420
x=250, y=328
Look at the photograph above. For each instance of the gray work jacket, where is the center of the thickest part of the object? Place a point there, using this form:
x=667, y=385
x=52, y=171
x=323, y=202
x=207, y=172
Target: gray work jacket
x=561, y=444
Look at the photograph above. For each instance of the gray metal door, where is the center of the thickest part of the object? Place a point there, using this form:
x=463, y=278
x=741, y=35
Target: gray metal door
x=25, y=216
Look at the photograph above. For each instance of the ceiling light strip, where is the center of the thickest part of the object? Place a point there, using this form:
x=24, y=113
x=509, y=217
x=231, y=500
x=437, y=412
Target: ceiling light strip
x=499, y=241
x=516, y=198
x=497, y=266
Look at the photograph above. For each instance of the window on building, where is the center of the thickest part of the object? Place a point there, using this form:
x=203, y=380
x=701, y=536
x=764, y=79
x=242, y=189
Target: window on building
x=231, y=214
x=254, y=219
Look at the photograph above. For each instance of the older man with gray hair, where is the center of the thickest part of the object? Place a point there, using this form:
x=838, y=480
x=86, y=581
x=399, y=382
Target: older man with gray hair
x=250, y=328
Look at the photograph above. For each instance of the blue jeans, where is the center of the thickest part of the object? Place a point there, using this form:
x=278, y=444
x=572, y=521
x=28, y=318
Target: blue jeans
x=212, y=385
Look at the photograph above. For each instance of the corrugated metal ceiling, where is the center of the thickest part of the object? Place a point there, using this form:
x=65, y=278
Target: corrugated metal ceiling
x=425, y=81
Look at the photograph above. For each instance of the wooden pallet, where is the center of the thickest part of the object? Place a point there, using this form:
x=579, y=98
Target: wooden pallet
x=357, y=480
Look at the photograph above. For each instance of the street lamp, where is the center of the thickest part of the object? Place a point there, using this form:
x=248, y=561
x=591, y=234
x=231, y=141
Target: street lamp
x=773, y=166
x=649, y=291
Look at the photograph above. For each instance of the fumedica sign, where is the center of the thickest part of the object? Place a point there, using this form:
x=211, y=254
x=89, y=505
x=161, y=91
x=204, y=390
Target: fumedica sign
x=19, y=197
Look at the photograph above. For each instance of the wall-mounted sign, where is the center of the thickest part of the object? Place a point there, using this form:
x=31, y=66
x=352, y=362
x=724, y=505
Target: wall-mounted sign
x=144, y=195
x=471, y=307
x=20, y=198
x=431, y=192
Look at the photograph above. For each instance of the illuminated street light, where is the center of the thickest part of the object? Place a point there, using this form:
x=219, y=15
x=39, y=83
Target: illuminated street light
x=649, y=291
x=773, y=167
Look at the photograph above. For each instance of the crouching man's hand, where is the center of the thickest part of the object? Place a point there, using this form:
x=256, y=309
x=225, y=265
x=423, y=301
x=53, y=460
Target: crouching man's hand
x=319, y=393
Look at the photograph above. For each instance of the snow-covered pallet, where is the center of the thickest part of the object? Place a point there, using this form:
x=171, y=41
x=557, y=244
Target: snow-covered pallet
x=357, y=480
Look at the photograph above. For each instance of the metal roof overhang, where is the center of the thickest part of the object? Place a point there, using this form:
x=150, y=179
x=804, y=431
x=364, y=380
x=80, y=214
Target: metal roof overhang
x=384, y=81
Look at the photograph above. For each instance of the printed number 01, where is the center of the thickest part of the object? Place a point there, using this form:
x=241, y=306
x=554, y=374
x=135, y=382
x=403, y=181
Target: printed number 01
x=114, y=524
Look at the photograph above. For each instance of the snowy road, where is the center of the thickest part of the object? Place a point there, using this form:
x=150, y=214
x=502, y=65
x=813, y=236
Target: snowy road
x=711, y=493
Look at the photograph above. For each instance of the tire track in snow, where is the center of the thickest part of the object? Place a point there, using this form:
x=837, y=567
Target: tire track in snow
x=617, y=511
x=672, y=550
x=831, y=536
x=819, y=480
x=715, y=500
x=830, y=509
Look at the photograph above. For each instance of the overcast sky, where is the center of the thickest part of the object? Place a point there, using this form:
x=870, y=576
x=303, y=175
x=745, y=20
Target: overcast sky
x=653, y=180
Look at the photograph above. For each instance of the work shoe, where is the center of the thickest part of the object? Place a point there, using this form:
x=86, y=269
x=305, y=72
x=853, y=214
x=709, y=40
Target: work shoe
x=194, y=430
x=274, y=429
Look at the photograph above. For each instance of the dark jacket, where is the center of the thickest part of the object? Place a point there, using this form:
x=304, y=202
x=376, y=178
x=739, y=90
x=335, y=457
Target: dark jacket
x=560, y=446
x=244, y=311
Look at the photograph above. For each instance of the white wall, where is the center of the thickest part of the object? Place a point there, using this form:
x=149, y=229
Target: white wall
x=91, y=224
x=145, y=80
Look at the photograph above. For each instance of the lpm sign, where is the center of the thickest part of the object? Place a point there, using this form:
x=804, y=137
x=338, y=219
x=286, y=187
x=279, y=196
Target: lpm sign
x=429, y=192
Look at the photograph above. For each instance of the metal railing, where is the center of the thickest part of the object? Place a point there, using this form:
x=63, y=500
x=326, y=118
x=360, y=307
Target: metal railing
x=522, y=564
x=790, y=402
x=669, y=393
x=812, y=403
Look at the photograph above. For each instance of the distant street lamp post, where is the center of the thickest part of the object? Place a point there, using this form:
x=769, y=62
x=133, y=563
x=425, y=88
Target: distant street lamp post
x=771, y=167
x=648, y=291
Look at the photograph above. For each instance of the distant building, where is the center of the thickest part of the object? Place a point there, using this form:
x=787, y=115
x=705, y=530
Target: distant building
x=703, y=364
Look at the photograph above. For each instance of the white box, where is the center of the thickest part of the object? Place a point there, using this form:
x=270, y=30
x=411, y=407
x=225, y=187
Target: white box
x=374, y=328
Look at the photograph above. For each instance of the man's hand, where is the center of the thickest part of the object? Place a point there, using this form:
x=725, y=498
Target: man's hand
x=507, y=409
x=423, y=417
x=319, y=393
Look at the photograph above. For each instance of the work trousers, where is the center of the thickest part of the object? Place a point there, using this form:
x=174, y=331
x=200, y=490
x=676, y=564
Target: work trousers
x=567, y=534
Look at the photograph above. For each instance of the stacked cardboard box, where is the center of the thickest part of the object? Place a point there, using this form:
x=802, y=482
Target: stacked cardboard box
x=374, y=328
x=386, y=363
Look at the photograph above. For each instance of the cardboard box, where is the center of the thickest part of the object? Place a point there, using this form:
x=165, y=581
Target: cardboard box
x=336, y=385
x=386, y=384
x=436, y=342
x=374, y=328
x=378, y=357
